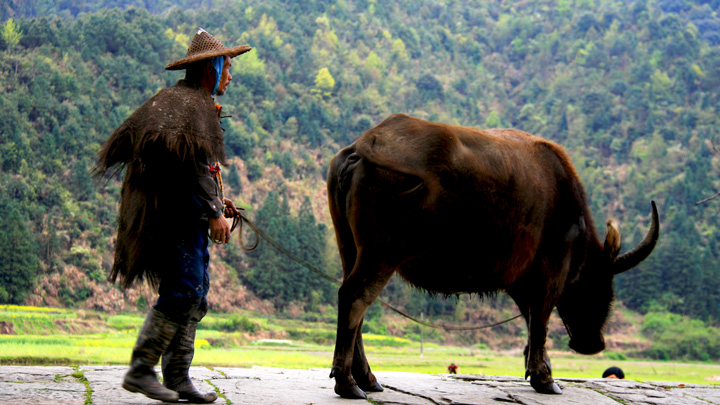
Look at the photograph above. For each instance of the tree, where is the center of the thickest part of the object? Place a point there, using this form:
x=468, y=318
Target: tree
x=429, y=88
x=324, y=83
x=629, y=90
x=272, y=274
x=11, y=34
x=18, y=260
x=82, y=181
x=492, y=120
x=399, y=52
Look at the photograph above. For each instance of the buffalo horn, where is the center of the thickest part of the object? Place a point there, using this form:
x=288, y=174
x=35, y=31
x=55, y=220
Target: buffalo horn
x=632, y=258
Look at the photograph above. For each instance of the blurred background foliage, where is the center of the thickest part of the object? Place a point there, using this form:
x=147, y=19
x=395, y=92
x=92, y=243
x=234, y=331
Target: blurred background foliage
x=629, y=88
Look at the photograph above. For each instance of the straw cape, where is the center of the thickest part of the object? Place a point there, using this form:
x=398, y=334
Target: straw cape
x=205, y=46
x=163, y=145
x=171, y=138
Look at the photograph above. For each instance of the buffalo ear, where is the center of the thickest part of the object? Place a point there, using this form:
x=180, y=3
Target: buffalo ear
x=612, y=240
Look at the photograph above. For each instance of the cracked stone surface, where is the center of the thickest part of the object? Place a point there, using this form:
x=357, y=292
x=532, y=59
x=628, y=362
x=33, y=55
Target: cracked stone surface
x=40, y=385
x=264, y=385
x=105, y=381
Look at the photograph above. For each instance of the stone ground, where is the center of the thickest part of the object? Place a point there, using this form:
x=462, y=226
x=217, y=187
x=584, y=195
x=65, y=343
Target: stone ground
x=262, y=385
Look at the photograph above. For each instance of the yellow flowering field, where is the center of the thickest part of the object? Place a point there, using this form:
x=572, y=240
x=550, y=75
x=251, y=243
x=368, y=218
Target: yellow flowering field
x=48, y=336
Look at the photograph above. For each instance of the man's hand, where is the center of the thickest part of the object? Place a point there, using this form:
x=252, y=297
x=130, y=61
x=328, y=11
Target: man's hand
x=231, y=210
x=219, y=230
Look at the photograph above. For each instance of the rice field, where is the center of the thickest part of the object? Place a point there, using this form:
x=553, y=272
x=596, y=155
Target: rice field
x=48, y=336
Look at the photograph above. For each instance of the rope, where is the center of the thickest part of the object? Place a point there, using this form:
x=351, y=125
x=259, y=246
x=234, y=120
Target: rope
x=240, y=218
x=447, y=328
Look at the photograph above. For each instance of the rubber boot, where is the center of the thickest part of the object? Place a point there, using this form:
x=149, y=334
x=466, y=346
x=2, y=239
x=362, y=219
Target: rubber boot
x=154, y=338
x=176, y=366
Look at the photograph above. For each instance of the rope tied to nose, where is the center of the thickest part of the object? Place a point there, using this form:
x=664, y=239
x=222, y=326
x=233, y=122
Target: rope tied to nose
x=240, y=218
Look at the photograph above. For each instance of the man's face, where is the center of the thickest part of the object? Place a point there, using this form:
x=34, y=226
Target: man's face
x=225, y=77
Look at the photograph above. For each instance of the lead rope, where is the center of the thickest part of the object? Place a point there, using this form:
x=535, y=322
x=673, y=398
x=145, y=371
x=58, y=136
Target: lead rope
x=240, y=218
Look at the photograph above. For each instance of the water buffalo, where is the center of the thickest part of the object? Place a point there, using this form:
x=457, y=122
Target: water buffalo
x=459, y=210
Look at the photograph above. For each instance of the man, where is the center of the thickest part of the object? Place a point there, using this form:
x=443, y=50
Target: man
x=172, y=197
x=614, y=372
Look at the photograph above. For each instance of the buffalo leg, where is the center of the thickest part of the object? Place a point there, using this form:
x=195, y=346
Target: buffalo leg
x=541, y=306
x=361, y=368
x=547, y=359
x=537, y=362
x=538, y=365
x=518, y=297
x=358, y=291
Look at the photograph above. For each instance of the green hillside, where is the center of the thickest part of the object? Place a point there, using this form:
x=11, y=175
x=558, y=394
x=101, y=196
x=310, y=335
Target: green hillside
x=629, y=88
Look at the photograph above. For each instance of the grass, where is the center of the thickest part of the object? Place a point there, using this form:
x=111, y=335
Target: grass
x=217, y=345
x=80, y=376
x=219, y=392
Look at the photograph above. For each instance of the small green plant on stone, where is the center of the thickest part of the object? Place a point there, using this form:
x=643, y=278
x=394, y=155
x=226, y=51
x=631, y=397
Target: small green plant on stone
x=80, y=376
x=219, y=392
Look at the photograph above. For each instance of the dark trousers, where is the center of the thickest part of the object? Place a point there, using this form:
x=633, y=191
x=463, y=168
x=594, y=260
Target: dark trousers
x=184, y=288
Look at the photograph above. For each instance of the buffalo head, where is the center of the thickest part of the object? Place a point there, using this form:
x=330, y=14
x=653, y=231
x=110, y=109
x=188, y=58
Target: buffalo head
x=587, y=300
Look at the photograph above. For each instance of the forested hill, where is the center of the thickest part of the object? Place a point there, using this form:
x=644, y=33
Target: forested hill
x=630, y=88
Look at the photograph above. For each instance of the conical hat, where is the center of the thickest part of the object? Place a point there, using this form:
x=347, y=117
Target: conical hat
x=205, y=46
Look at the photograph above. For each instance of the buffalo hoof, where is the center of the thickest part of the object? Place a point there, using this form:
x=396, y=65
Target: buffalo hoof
x=549, y=387
x=351, y=392
x=372, y=387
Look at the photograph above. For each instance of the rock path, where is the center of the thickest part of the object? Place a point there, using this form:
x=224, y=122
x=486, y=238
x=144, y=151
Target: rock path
x=261, y=385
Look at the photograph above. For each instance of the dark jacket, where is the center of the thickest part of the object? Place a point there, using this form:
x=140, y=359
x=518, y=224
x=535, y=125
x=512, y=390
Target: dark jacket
x=166, y=147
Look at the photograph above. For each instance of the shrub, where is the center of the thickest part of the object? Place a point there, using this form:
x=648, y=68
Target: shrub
x=615, y=355
x=254, y=169
x=122, y=322
x=391, y=341
x=317, y=336
x=235, y=324
x=374, y=326
x=678, y=337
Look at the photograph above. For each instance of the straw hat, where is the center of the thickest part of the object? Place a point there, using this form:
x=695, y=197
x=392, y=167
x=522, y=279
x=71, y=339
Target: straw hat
x=205, y=46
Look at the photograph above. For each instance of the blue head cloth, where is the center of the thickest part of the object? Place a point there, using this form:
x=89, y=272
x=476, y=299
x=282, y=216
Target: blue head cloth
x=217, y=63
